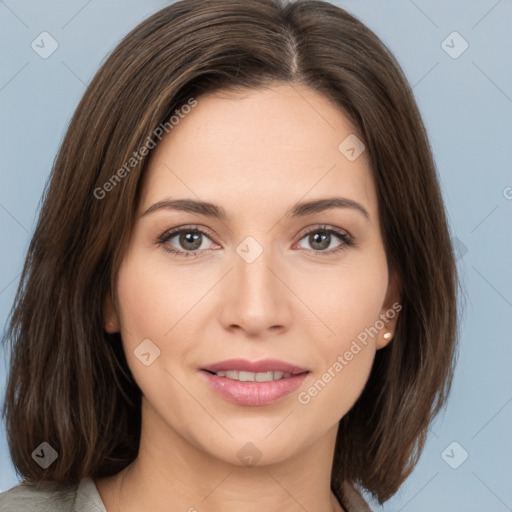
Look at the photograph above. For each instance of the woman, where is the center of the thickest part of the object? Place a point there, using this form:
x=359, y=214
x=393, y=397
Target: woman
x=241, y=291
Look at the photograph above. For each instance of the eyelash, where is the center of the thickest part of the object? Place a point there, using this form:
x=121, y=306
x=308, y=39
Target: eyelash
x=348, y=240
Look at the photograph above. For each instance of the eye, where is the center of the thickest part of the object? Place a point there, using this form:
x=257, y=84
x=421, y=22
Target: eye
x=321, y=237
x=190, y=239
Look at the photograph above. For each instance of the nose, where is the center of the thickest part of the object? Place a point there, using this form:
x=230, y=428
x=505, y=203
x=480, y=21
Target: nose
x=256, y=298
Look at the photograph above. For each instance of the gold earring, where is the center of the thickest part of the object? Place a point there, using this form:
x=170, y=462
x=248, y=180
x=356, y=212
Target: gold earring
x=387, y=335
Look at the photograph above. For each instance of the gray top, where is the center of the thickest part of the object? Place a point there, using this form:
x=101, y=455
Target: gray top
x=85, y=498
x=27, y=498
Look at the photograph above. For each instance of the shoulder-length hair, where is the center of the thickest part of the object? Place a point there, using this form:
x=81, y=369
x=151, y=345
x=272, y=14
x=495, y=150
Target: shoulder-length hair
x=69, y=383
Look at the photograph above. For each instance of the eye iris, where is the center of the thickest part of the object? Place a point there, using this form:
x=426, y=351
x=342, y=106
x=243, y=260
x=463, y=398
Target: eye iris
x=320, y=237
x=190, y=237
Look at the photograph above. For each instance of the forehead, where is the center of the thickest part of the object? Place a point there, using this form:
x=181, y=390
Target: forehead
x=256, y=147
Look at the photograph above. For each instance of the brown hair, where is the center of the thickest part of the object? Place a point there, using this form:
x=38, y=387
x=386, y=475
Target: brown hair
x=69, y=383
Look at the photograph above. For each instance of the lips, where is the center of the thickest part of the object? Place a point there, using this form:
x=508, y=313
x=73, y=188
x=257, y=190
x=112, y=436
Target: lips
x=253, y=383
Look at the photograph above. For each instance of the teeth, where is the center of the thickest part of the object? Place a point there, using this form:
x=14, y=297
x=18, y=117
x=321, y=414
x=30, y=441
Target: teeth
x=264, y=376
x=253, y=377
x=246, y=376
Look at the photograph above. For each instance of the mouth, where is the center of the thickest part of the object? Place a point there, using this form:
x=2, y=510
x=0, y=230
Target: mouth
x=243, y=376
x=250, y=383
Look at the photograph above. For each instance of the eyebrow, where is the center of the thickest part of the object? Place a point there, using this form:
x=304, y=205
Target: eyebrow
x=300, y=209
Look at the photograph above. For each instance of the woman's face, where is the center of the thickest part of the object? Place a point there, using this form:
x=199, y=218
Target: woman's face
x=266, y=281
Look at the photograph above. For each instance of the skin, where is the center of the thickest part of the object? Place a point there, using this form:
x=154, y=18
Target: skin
x=255, y=153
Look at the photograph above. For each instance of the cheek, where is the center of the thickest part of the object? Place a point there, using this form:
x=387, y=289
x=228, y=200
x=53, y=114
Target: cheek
x=333, y=390
x=154, y=297
x=346, y=299
x=150, y=305
x=348, y=308
x=158, y=302
x=343, y=367
x=139, y=300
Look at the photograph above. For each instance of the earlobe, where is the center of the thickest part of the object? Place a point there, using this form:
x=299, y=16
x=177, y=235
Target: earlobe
x=390, y=312
x=384, y=339
x=111, y=321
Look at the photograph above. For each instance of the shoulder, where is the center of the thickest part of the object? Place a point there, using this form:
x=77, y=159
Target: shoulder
x=29, y=497
x=26, y=497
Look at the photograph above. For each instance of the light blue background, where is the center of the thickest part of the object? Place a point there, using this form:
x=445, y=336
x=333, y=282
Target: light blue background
x=466, y=104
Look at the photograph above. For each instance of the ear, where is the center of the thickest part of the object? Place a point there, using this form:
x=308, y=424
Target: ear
x=390, y=311
x=110, y=316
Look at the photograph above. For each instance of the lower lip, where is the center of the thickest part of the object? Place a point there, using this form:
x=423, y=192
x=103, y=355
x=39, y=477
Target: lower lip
x=253, y=393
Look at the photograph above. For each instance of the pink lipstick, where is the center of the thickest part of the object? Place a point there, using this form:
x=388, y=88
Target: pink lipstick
x=253, y=383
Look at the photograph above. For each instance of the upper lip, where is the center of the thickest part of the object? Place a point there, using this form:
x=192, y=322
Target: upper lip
x=265, y=365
